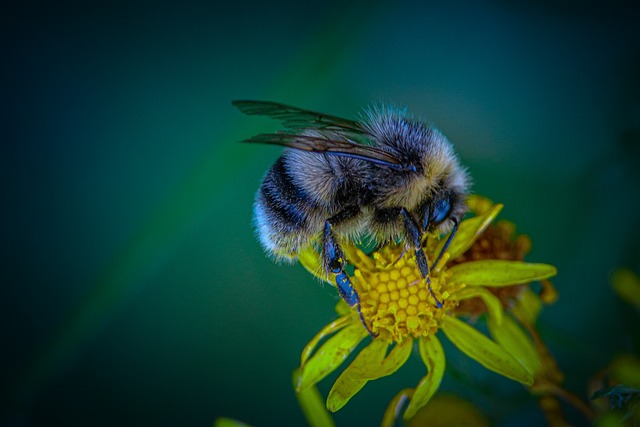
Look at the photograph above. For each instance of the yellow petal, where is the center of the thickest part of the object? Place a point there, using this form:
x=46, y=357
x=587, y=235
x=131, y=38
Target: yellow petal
x=342, y=308
x=391, y=363
x=527, y=307
x=312, y=405
x=494, y=306
x=370, y=364
x=484, y=351
x=443, y=261
x=350, y=380
x=627, y=285
x=479, y=205
x=432, y=355
x=332, y=327
x=330, y=355
x=513, y=339
x=395, y=406
x=310, y=259
x=469, y=231
x=355, y=256
x=497, y=273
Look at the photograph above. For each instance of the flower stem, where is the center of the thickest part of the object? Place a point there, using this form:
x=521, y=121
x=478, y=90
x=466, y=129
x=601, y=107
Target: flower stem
x=543, y=386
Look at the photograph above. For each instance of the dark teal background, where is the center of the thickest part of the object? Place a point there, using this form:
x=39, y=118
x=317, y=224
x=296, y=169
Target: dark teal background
x=133, y=289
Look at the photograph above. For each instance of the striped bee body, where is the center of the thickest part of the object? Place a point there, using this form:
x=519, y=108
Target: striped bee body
x=300, y=192
x=388, y=176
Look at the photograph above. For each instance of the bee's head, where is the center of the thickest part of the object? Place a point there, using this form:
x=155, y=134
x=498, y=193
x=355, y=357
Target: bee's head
x=446, y=206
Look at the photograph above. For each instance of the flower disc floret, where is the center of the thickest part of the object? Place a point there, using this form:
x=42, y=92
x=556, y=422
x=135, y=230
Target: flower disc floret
x=395, y=301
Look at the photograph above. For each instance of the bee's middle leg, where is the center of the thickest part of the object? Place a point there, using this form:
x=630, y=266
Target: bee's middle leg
x=333, y=258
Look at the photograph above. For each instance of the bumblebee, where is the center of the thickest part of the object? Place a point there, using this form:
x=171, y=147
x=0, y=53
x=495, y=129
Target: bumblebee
x=387, y=176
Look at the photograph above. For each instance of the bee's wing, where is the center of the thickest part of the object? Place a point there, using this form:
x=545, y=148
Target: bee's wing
x=338, y=147
x=298, y=118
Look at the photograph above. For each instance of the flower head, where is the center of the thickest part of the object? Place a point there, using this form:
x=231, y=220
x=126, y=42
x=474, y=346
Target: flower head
x=398, y=308
x=394, y=301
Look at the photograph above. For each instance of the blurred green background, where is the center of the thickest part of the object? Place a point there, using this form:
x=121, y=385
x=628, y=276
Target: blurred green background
x=134, y=291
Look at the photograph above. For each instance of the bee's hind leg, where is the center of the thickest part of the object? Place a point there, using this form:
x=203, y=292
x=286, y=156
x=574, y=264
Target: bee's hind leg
x=413, y=235
x=333, y=258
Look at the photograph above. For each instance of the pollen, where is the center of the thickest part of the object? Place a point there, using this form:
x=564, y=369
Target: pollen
x=395, y=303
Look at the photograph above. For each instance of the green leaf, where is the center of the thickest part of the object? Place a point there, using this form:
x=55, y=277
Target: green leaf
x=330, y=355
x=312, y=405
x=432, y=355
x=484, y=351
x=468, y=232
x=513, y=339
x=497, y=273
x=372, y=363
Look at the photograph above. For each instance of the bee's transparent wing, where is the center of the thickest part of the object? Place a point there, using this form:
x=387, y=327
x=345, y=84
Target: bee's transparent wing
x=297, y=118
x=338, y=147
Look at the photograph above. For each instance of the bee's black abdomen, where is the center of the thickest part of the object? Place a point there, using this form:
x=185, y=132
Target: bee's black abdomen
x=283, y=198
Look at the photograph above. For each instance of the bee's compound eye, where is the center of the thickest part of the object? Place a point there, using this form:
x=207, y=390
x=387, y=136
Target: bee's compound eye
x=441, y=210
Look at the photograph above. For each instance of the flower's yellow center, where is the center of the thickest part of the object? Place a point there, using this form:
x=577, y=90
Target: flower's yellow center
x=394, y=299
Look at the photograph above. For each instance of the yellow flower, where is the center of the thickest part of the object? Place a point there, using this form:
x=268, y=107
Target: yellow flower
x=398, y=308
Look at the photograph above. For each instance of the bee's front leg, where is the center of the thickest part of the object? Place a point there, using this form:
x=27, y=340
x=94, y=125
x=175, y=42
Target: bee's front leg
x=414, y=237
x=333, y=258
